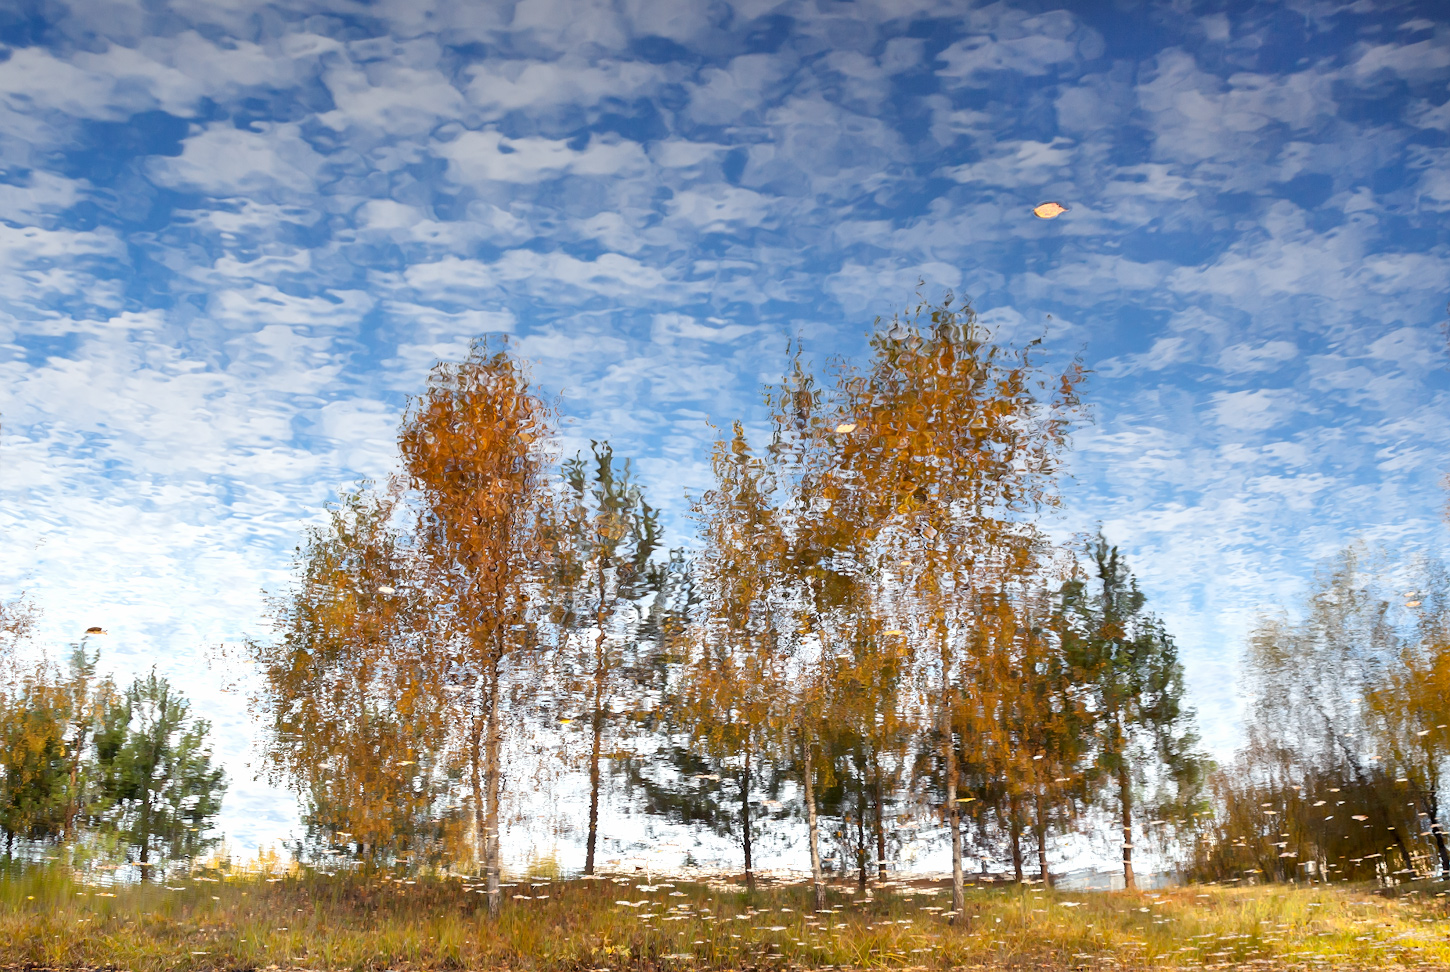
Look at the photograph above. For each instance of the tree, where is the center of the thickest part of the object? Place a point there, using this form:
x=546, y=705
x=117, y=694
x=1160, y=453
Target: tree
x=350, y=721
x=603, y=540
x=1308, y=682
x=733, y=680
x=156, y=785
x=17, y=620
x=960, y=438
x=85, y=701
x=1047, y=728
x=473, y=453
x=1409, y=710
x=1131, y=664
x=33, y=793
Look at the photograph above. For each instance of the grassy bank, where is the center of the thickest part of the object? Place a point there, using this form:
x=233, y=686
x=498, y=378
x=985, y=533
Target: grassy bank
x=218, y=921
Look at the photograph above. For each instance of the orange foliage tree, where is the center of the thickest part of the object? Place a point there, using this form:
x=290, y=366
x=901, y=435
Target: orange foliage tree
x=473, y=448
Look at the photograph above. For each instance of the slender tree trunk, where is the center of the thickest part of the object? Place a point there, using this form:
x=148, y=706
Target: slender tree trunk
x=861, y=853
x=600, y=668
x=880, y=826
x=954, y=817
x=817, y=879
x=1441, y=848
x=1016, y=824
x=491, y=773
x=745, y=821
x=598, y=728
x=475, y=780
x=146, y=826
x=1125, y=800
x=72, y=805
x=1042, y=841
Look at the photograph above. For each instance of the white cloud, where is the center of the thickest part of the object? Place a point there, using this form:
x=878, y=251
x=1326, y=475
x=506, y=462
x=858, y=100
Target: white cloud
x=1253, y=411
x=497, y=86
x=719, y=207
x=1257, y=357
x=227, y=161
x=488, y=155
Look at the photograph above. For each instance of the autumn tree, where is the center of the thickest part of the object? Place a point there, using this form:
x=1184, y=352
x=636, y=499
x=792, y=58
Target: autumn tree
x=349, y=720
x=1307, y=683
x=1409, y=709
x=603, y=536
x=1335, y=771
x=33, y=764
x=961, y=436
x=730, y=692
x=1142, y=727
x=473, y=449
x=867, y=733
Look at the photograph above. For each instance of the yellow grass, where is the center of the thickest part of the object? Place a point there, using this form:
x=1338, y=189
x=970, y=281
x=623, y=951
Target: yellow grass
x=212, y=920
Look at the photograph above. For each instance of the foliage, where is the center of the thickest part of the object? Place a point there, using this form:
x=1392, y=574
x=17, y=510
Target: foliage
x=349, y=722
x=1343, y=773
x=155, y=785
x=1129, y=663
x=86, y=765
x=601, y=544
x=473, y=447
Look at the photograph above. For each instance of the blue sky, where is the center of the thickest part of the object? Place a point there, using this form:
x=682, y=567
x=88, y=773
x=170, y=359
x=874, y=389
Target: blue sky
x=234, y=236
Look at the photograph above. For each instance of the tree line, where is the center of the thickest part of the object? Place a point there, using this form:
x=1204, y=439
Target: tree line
x=102, y=771
x=1343, y=773
x=871, y=623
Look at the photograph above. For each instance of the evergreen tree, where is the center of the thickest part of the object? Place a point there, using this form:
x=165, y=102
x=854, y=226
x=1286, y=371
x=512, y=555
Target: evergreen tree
x=1137, y=680
x=156, y=786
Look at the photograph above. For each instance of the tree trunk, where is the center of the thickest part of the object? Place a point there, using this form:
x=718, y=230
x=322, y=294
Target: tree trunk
x=745, y=821
x=146, y=829
x=598, y=728
x=600, y=667
x=817, y=880
x=1016, y=826
x=1042, y=842
x=880, y=825
x=1441, y=848
x=1125, y=800
x=861, y=853
x=475, y=780
x=491, y=773
x=954, y=818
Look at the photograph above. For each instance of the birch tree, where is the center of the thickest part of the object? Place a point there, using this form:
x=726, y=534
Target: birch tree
x=473, y=448
x=732, y=687
x=349, y=720
x=603, y=537
x=962, y=436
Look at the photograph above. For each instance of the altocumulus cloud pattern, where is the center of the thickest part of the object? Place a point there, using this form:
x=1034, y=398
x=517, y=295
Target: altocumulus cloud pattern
x=234, y=236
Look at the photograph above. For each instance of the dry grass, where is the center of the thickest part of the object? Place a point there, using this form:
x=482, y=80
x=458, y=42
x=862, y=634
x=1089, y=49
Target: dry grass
x=217, y=921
